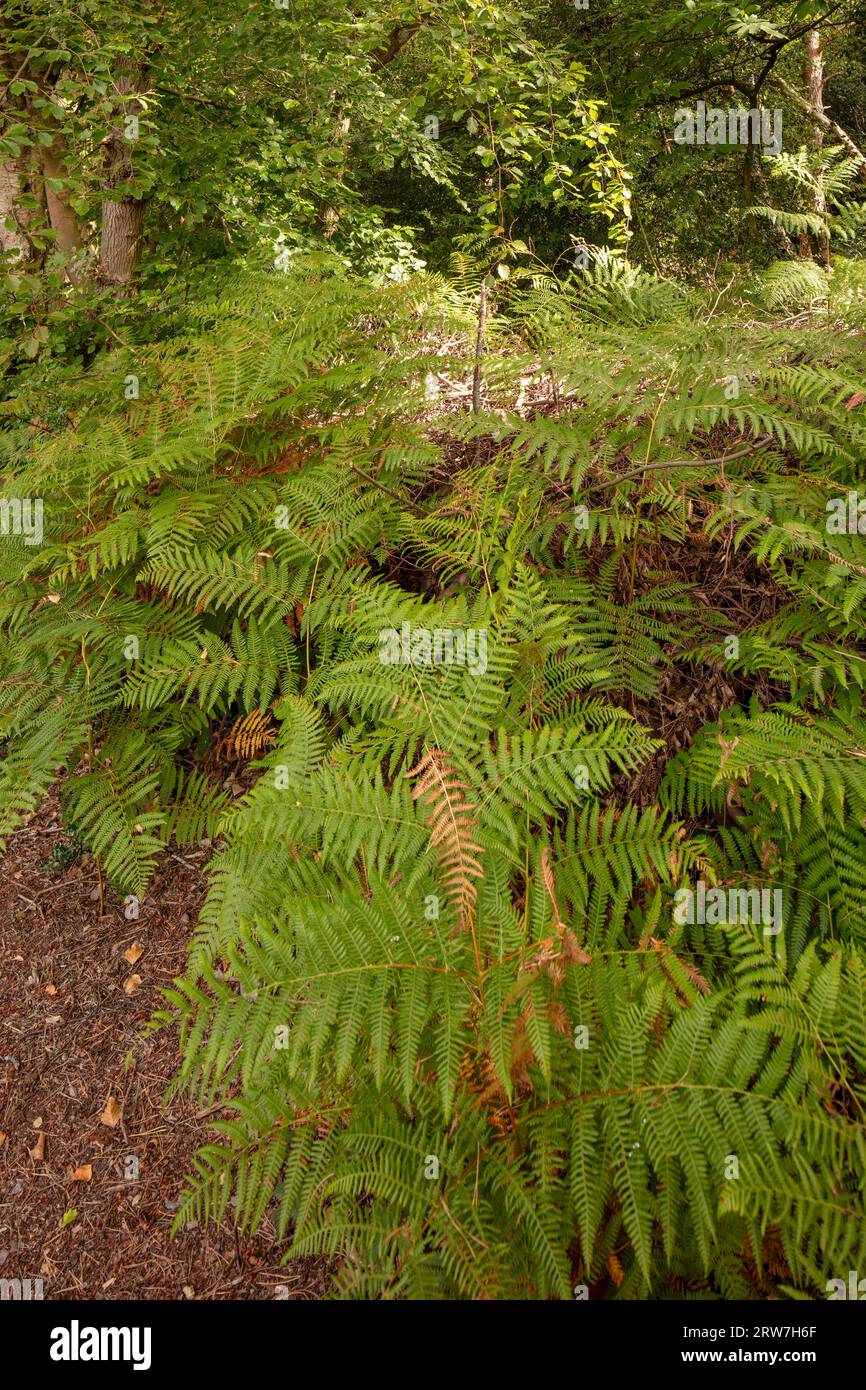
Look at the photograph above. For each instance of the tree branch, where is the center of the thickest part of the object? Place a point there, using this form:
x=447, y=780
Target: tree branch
x=752, y=448
x=821, y=118
x=400, y=36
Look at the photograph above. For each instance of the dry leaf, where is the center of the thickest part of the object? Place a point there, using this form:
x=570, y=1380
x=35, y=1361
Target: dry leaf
x=82, y=1174
x=50, y=989
x=857, y=399
x=2, y=1137
x=131, y=985
x=111, y=1113
x=38, y=1151
x=134, y=952
x=572, y=950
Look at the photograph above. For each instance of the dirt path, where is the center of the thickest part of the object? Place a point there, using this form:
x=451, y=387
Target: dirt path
x=73, y=1009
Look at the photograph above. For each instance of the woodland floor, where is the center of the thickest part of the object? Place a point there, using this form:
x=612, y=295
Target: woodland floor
x=72, y=1035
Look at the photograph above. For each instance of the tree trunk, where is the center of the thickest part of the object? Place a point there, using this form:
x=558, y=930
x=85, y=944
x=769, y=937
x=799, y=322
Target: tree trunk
x=479, y=348
x=20, y=184
x=329, y=214
x=16, y=220
x=61, y=216
x=120, y=242
x=813, y=79
x=122, y=214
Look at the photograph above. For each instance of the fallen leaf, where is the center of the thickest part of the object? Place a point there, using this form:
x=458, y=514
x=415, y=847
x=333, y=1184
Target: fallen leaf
x=857, y=399
x=131, y=985
x=38, y=1151
x=2, y=1137
x=111, y=1114
x=189, y=1290
x=134, y=952
x=82, y=1174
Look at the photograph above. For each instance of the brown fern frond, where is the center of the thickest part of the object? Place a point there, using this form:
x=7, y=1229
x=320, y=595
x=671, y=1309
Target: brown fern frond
x=555, y=952
x=665, y=954
x=550, y=887
x=449, y=816
x=695, y=976
x=478, y=1075
x=250, y=735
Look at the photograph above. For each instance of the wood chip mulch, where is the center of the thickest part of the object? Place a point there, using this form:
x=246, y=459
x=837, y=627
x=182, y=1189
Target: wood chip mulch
x=92, y=1161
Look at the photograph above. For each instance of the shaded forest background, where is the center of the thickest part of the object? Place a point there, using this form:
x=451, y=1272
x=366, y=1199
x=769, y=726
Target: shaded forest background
x=162, y=144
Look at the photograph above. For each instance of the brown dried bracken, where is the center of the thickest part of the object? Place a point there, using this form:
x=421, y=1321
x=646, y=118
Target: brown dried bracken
x=250, y=735
x=449, y=815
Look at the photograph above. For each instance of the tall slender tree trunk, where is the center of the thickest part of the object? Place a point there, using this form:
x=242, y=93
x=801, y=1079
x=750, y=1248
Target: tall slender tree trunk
x=813, y=79
x=122, y=213
x=329, y=213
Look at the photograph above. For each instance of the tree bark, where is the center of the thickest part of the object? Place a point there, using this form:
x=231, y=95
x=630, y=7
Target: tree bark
x=122, y=214
x=120, y=242
x=61, y=216
x=16, y=220
x=19, y=180
x=813, y=79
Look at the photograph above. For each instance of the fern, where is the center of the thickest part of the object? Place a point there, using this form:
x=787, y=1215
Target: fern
x=476, y=667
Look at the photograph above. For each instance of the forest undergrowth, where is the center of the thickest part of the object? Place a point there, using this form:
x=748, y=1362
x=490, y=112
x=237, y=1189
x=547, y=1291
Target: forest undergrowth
x=532, y=962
